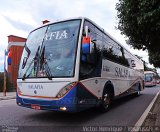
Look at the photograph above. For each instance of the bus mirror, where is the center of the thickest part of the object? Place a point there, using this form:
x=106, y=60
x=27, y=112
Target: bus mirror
x=86, y=31
x=86, y=45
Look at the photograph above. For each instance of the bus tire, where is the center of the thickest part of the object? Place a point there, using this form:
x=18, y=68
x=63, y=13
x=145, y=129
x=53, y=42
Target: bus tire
x=106, y=100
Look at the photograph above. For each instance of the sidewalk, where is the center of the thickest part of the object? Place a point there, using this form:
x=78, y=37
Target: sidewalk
x=9, y=95
x=153, y=117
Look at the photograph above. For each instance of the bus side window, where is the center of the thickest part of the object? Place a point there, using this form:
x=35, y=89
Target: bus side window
x=89, y=60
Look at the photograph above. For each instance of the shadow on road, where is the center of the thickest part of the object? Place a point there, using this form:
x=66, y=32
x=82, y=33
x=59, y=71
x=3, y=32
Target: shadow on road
x=123, y=100
x=60, y=118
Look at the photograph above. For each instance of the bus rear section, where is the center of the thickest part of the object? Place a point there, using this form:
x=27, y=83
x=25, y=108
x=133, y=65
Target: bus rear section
x=150, y=78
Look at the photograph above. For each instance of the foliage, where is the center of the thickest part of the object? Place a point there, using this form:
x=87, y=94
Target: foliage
x=154, y=58
x=139, y=20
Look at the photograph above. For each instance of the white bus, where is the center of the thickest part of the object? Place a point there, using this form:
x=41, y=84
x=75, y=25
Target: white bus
x=72, y=65
x=150, y=78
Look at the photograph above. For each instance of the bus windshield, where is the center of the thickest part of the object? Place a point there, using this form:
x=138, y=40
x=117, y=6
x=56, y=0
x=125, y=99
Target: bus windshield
x=148, y=77
x=50, y=51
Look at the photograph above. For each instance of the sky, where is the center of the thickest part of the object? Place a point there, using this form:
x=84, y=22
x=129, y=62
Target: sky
x=19, y=17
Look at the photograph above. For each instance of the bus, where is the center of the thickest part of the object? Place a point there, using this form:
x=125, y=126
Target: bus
x=73, y=65
x=150, y=78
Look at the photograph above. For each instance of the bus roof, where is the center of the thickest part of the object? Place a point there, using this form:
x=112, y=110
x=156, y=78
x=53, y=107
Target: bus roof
x=85, y=18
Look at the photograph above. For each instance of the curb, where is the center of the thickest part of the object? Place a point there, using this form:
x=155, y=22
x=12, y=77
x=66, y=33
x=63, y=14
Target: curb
x=139, y=123
x=9, y=95
x=7, y=98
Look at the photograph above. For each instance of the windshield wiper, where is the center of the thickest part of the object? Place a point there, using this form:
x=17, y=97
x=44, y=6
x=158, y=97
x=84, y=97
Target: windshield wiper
x=24, y=76
x=35, y=60
x=26, y=58
x=40, y=64
x=44, y=65
x=48, y=71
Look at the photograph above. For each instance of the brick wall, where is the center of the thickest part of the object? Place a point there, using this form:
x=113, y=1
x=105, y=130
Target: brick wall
x=15, y=45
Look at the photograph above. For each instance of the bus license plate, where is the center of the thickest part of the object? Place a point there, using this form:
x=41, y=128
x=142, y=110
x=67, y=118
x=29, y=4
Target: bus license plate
x=36, y=107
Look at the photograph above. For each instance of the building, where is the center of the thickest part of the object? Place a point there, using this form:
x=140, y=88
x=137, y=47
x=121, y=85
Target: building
x=15, y=49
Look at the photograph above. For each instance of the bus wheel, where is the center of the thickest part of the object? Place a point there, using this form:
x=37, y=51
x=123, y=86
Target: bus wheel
x=106, y=101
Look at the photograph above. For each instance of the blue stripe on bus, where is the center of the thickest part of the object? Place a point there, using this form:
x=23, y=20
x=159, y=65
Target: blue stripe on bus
x=77, y=99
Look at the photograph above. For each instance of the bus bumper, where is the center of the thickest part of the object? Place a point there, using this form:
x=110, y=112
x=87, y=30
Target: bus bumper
x=76, y=100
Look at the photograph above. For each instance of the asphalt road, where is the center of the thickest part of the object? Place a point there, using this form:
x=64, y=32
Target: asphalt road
x=124, y=112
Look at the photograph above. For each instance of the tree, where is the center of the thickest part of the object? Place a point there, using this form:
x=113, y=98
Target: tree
x=139, y=20
x=154, y=58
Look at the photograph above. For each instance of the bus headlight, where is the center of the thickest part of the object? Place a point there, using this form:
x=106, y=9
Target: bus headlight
x=64, y=90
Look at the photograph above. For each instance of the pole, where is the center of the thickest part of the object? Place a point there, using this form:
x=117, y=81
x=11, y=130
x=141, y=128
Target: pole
x=4, y=83
x=4, y=88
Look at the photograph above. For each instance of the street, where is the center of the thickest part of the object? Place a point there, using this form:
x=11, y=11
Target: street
x=124, y=112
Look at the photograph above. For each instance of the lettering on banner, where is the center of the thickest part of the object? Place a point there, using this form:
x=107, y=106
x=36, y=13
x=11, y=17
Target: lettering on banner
x=57, y=35
x=121, y=72
x=38, y=86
